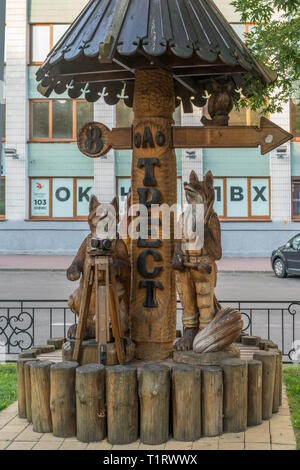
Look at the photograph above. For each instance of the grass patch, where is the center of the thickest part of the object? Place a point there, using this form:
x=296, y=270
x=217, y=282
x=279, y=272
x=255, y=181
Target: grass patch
x=8, y=385
x=291, y=378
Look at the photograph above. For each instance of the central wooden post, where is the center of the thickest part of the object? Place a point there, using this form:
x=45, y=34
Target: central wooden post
x=153, y=293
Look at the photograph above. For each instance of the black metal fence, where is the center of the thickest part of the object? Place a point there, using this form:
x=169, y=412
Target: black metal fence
x=24, y=323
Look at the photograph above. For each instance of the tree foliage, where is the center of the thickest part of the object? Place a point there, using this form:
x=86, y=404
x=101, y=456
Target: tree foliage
x=274, y=41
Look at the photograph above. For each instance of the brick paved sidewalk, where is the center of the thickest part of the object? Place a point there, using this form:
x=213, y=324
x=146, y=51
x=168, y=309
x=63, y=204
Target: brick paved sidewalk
x=39, y=262
x=276, y=434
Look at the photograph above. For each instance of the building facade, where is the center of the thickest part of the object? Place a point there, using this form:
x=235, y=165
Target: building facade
x=48, y=182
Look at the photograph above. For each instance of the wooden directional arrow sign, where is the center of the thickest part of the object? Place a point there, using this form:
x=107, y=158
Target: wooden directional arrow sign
x=95, y=139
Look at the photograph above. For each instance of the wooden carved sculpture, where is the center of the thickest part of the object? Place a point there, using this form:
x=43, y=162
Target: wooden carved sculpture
x=121, y=266
x=196, y=278
x=220, y=103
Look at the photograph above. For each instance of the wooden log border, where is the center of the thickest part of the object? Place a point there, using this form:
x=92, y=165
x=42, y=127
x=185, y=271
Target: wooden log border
x=205, y=378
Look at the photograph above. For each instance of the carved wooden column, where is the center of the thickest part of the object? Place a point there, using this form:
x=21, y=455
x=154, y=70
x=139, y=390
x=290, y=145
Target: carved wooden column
x=153, y=293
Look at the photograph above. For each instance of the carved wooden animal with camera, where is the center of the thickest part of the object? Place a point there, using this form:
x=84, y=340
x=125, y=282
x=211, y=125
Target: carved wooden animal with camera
x=107, y=216
x=207, y=326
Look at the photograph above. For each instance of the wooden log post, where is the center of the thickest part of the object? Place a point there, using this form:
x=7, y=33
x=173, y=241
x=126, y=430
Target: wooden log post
x=235, y=380
x=27, y=380
x=212, y=401
x=63, y=398
x=268, y=360
x=40, y=396
x=153, y=182
x=254, y=393
x=122, y=404
x=154, y=393
x=276, y=394
x=90, y=403
x=186, y=389
x=21, y=387
x=56, y=342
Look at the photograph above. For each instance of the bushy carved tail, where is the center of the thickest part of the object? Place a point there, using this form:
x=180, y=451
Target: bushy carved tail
x=223, y=330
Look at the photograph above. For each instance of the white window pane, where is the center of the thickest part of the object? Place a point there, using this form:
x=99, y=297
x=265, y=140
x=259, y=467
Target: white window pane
x=40, y=197
x=84, y=190
x=237, y=197
x=219, y=196
x=40, y=43
x=123, y=189
x=58, y=31
x=62, y=197
x=260, y=197
x=239, y=29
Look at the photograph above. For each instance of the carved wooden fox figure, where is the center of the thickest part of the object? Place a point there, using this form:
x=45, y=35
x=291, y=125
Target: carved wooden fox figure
x=196, y=286
x=121, y=265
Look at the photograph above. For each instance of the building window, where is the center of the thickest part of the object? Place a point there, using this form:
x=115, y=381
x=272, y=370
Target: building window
x=296, y=199
x=124, y=115
x=60, y=198
x=242, y=198
x=43, y=39
x=242, y=29
x=58, y=119
x=295, y=120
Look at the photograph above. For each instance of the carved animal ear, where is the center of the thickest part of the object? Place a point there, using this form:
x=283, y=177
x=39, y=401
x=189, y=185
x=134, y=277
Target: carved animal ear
x=209, y=179
x=94, y=203
x=194, y=178
x=115, y=203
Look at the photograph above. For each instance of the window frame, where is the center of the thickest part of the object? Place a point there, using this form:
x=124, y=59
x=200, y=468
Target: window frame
x=50, y=138
x=75, y=218
x=295, y=138
x=294, y=180
x=50, y=25
x=251, y=218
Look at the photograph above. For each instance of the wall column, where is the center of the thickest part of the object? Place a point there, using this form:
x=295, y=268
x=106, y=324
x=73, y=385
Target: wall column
x=17, y=115
x=280, y=173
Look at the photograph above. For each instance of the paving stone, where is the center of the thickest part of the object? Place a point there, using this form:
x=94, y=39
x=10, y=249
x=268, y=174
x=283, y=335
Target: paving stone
x=178, y=445
x=283, y=447
x=20, y=445
x=103, y=445
x=233, y=437
x=8, y=436
x=149, y=447
x=281, y=420
x=47, y=445
x=48, y=437
x=29, y=435
x=73, y=445
x=132, y=446
x=17, y=421
x=4, y=444
x=231, y=445
x=205, y=445
x=257, y=446
x=260, y=433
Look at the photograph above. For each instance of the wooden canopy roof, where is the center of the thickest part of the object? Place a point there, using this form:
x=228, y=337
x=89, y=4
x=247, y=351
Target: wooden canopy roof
x=110, y=39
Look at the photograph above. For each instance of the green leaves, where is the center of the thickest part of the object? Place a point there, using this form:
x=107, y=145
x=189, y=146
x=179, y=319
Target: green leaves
x=275, y=42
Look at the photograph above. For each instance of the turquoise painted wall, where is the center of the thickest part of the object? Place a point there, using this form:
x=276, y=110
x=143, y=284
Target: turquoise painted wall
x=295, y=158
x=123, y=162
x=236, y=162
x=58, y=160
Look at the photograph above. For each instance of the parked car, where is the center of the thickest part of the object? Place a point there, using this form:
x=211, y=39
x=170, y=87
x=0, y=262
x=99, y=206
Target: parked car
x=286, y=259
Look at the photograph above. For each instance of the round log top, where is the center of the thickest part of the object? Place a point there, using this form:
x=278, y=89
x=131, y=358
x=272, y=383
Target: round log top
x=25, y=359
x=154, y=367
x=119, y=369
x=233, y=362
x=65, y=365
x=264, y=354
x=41, y=364
x=88, y=368
x=254, y=362
x=211, y=369
x=30, y=362
x=185, y=368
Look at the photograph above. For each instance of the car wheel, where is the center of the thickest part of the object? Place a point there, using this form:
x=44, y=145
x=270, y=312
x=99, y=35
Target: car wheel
x=279, y=268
